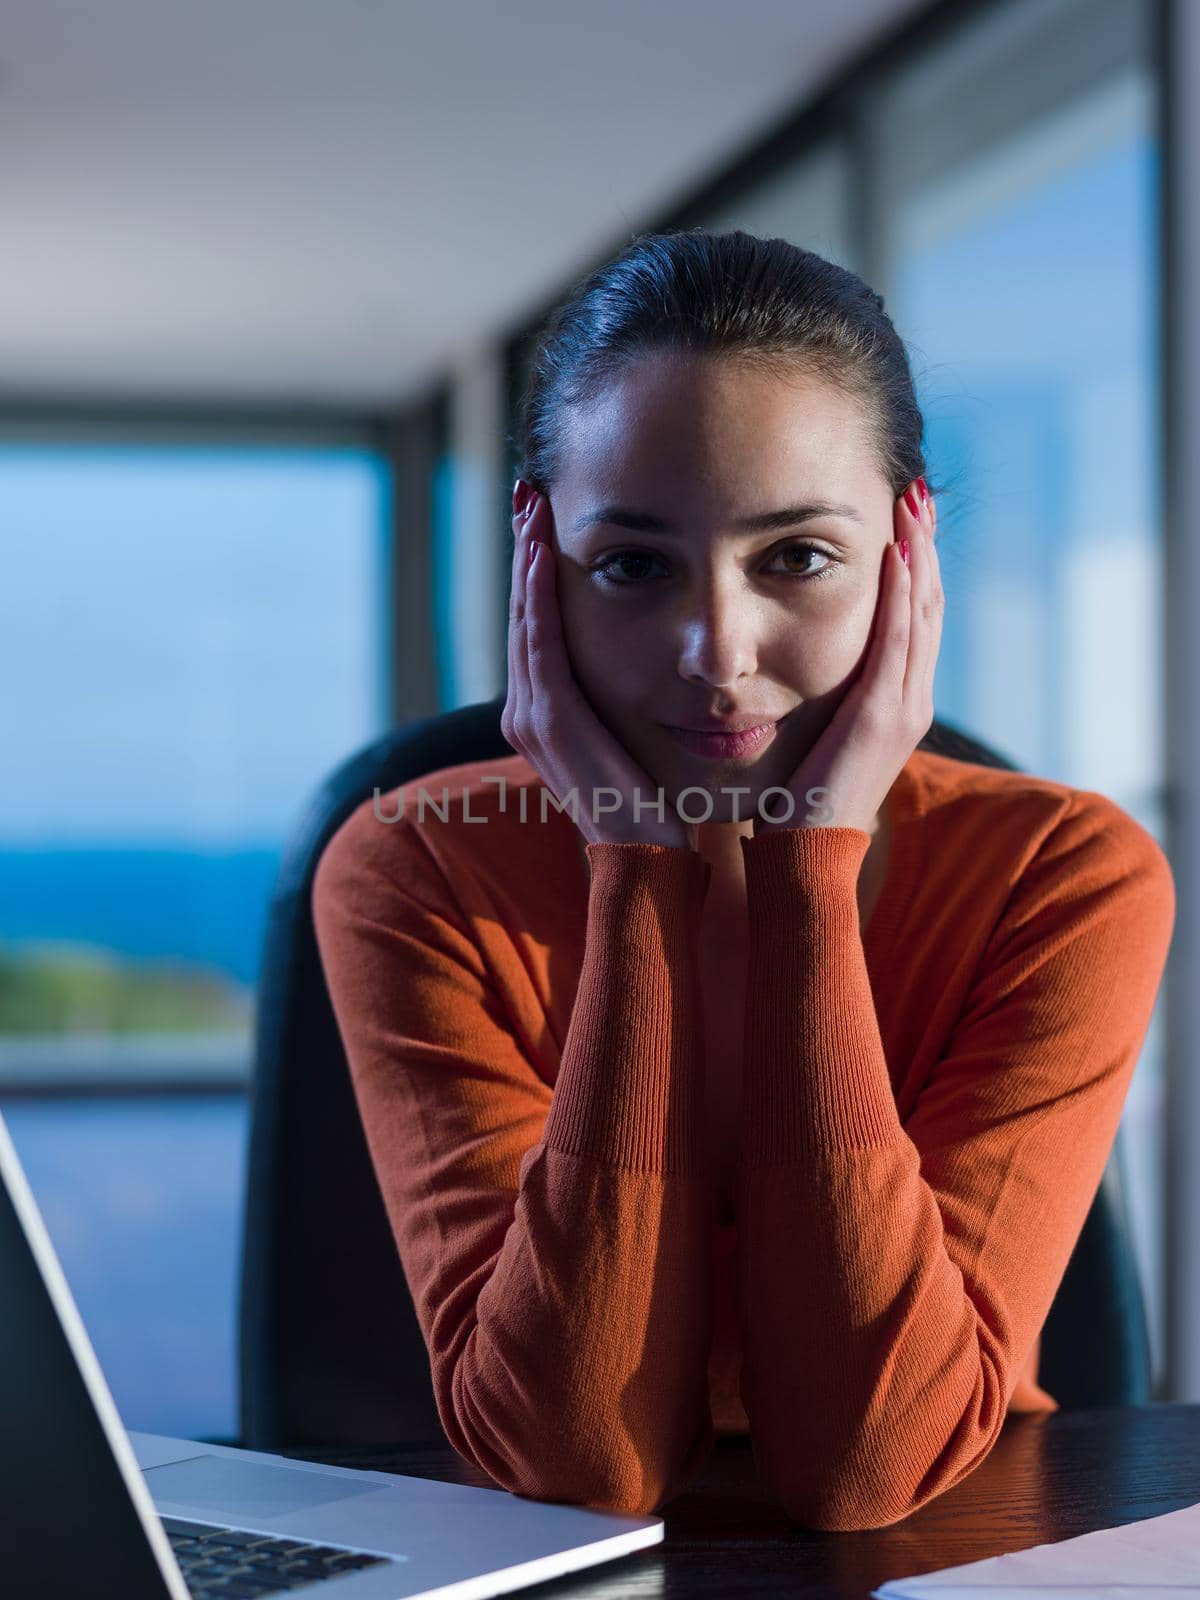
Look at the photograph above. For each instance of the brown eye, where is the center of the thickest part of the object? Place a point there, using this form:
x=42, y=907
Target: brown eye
x=627, y=569
x=622, y=559
x=804, y=550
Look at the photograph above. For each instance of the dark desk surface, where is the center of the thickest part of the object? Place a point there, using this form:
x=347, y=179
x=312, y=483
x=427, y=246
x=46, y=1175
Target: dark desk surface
x=1050, y=1476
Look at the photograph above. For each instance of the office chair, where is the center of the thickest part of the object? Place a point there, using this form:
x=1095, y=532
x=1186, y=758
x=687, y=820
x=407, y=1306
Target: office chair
x=330, y=1348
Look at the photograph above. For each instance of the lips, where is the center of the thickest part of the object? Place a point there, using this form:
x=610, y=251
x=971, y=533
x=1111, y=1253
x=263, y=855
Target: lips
x=738, y=724
x=726, y=746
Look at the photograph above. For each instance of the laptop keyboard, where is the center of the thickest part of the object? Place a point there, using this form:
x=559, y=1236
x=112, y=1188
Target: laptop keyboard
x=227, y=1564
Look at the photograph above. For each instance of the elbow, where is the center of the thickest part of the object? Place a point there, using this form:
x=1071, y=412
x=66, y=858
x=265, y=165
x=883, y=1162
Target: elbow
x=839, y=1499
x=861, y=1496
x=840, y=1509
x=564, y=1465
x=880, y=1481
x=582, y=1444
x=875, y=1468
x=631, y=1477
x=596, y=1485
x=598, y=1492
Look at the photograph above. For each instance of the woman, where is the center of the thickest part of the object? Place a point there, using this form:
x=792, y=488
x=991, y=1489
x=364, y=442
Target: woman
x=743, y=1086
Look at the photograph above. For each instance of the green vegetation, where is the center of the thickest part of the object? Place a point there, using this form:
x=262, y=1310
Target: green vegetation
x=62, y=989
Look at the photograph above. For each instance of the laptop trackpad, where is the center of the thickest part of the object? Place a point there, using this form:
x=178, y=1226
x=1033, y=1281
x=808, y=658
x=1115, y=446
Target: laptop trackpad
x=222, y=1483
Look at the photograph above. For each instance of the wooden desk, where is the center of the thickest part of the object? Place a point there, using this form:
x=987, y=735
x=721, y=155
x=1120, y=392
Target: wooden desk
x=1050, y=1476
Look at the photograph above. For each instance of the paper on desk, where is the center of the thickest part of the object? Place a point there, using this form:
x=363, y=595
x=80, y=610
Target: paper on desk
x=1141, y=1559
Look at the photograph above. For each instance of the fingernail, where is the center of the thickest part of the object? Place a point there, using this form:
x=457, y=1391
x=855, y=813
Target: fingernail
x=910, y=500
x=924, y=490
x=904, y=551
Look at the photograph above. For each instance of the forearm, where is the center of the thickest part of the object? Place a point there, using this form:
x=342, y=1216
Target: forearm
x=630, y=1087
x=582, y=1373
x=894, y=1276
x=870, y=1381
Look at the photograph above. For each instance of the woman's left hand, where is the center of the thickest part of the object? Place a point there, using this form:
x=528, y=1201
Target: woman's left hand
x=889, y=708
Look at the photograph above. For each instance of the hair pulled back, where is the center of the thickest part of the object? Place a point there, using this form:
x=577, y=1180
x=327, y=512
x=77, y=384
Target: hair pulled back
x=767, y=303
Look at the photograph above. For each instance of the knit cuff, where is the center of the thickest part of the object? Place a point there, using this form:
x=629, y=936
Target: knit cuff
x=816, y=1076
x=630, y=1085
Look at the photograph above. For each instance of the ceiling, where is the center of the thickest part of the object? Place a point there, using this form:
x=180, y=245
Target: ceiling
x=324, y=203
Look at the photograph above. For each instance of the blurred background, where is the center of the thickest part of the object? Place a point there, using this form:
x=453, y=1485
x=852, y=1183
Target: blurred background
x=270, y=276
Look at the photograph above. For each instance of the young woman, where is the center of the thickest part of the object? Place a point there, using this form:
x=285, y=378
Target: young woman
x=753, y=1085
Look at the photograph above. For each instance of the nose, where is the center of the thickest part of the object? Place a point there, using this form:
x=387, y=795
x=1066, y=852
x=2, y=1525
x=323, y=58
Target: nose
x=717, y=632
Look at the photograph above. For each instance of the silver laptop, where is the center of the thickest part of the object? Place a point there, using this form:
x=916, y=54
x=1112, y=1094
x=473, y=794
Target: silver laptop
x=89, y=1509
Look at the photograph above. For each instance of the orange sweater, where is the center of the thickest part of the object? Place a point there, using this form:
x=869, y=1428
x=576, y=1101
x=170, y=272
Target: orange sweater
x=928, y=1106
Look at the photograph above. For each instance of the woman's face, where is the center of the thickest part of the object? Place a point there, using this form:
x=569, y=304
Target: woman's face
x=675, y=610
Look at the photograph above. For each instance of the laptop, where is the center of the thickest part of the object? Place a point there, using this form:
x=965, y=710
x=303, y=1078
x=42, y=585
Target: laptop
x=89, y=1509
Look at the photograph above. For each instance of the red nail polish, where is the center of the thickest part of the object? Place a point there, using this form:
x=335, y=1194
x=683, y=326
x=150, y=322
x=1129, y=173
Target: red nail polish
x=910, y=500
x=904, y=551
x=924, y=490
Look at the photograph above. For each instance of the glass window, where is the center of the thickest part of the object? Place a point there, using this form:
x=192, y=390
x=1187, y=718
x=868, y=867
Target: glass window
x=1019, y=167
x=142, y=1199
x=199, y=636
x=806, y=201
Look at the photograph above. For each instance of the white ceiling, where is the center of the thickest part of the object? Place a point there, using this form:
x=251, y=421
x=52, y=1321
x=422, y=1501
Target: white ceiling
x=325, y=202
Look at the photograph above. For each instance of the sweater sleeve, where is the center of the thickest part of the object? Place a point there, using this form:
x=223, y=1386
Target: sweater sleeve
x=893, y=1278
x=557, y=1245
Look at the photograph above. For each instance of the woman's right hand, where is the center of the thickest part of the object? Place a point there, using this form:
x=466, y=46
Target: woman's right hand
x=547, y=718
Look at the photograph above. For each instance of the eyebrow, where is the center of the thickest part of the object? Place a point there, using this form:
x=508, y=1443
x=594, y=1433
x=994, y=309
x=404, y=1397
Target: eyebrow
x=761, y=522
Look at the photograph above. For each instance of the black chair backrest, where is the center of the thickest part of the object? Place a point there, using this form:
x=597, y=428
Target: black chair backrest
x=330, y=1348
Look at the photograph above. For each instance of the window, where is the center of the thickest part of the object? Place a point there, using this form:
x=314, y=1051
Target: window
x=199, y=635
x=1019, y=163
x=807, y=201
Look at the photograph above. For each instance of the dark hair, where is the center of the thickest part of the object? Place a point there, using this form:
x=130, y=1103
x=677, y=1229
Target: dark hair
x=765, y=302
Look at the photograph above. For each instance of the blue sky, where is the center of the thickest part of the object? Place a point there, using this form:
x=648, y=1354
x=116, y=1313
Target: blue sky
x=192, y=637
